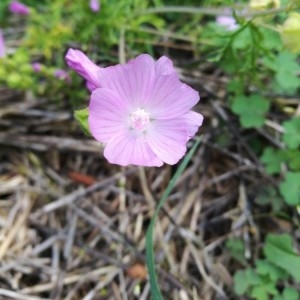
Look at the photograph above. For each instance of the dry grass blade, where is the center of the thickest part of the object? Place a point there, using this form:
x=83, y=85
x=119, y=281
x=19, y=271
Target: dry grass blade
x=9, y=234
x=70, y=279
x=203, y=273
x=18, y=296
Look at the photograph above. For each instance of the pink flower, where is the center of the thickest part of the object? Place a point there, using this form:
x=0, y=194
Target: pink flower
x=142, y=112
x=95, y=5
x=2, y=45
x=18, y=8
x=80, y=63
x=227, y=22
x=61, y=74
x=37, y=67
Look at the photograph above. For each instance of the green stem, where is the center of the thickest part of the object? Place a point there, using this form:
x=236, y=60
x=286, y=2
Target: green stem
x=155, y=291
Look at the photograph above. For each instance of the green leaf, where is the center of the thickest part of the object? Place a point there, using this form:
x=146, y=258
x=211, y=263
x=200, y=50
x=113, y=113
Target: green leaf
x=269, y=195
x=236, y=248
x=228, y=60
x=262, y=292
x=271, y=39
x=287, y=82
x=290, y=188
x=286, y=61
x=243, y=39
x=155, y=291
x=273, y=159
x=265, y=268
x=283, y=62
x=291, y=134
x=278, y=250
x=293, y=159
x=251, y=110
x=243, y=280
x=290, y=294
x=236, y=86
x=81, y=116
x=286, y=67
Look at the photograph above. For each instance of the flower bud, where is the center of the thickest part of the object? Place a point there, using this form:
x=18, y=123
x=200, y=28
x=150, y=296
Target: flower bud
x=81, y=64
x=290, y=32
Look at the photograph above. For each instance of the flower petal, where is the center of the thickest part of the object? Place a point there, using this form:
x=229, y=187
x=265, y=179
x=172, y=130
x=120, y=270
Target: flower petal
x=106, y=114
x=167, y=139
x=81, y=64
x=126, y=148
x=193, y=121
x=171, y=98
x=133, y=81
x=164, y=66
x=2, y=45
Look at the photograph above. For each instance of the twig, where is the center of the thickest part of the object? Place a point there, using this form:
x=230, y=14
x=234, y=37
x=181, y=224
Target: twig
x=203, y=273
x=71, y=198
x=104, y=282
x=46, y=143
x=69, y=280
x=15, y=229
x=18, y=296
x=148, y=196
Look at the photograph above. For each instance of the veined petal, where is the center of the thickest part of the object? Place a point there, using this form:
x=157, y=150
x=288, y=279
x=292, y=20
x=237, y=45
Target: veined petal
x=90, y=86
x=193, y=121
x=171, y=98
x=106, y=115
x=133, y=81
x=167, y=139
x=126, y=148
x=81, y=64
x=164, y=66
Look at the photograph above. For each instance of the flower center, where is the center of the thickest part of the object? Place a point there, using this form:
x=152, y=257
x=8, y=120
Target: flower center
x=139, y=119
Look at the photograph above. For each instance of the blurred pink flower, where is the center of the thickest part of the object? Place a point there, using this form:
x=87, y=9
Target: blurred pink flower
x=18, y=8
x=80, y=63
x=95, y=5
x=37, y=67
x=2, y=45
x=227, y=20
x=61, y=74
x=141, y=111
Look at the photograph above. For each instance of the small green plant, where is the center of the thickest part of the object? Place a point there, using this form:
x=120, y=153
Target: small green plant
x=291, y=136
x=263, y=281
x=275, y=159
x=250, y=109
x=290, y=188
